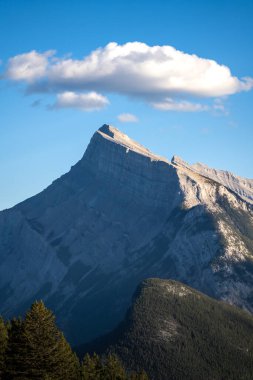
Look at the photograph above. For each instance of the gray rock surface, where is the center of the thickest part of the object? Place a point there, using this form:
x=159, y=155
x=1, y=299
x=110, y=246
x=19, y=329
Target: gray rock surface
x=120, y=215
x=240, y=185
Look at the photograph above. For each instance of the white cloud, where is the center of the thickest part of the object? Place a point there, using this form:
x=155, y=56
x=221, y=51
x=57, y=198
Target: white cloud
x=91, y=101
x=156, y=74
x=127, y=118
x=28, y=67
x=169, y=104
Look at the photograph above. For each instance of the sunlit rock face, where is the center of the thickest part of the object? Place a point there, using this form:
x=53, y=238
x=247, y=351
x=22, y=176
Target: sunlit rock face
x=120, y=215
x=241, y=186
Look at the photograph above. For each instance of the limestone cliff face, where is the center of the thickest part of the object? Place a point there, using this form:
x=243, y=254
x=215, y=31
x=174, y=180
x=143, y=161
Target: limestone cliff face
x=138, y=173
x=120, y=215
x=241, y=186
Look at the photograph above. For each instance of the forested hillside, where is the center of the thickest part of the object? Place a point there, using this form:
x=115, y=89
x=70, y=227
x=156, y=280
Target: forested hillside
x=175, y=332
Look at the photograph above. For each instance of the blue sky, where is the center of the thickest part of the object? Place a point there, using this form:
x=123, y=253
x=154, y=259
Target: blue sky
x=44, y=128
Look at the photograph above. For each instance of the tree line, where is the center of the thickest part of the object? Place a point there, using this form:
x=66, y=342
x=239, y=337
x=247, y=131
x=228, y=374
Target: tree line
x=34, y=348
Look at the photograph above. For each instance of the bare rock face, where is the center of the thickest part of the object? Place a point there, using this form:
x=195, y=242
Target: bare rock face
x=241, y=186
x=120, y=215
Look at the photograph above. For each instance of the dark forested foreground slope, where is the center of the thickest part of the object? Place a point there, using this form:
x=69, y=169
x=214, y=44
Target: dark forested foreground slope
x=175, y=332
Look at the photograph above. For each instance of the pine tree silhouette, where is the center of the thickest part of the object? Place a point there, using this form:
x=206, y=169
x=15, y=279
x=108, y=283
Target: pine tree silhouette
x=3, y=345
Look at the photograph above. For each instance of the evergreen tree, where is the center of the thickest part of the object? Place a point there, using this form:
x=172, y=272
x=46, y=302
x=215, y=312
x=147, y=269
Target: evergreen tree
x=92, y=367
x=38, y=350
x=48, y=352
x=139, y=376
x=69, y=366
x=15, y=352
x=113, y=369
x=34, y=349
x=3, y=345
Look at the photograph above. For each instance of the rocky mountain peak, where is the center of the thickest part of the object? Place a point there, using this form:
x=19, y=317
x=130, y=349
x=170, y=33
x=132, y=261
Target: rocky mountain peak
x=120, y=215
x=108, y=130
x=114, y=135
x=178, y=161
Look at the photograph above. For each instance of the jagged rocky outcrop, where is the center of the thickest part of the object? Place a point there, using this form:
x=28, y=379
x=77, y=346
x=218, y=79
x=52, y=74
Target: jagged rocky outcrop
x=120, y=215
x=241, y=186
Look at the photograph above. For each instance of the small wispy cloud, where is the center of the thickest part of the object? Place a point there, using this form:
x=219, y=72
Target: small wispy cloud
x=219, y=107
x=91, y=101
x=127, y=118
x=169, y=104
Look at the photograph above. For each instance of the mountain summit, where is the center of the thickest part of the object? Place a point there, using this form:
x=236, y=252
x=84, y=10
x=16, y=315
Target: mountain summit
x=113, y=134
x=120, y=215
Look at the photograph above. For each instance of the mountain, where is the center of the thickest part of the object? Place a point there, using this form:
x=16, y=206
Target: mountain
x=177, y=333
x=241, y=186
x=120, y=215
